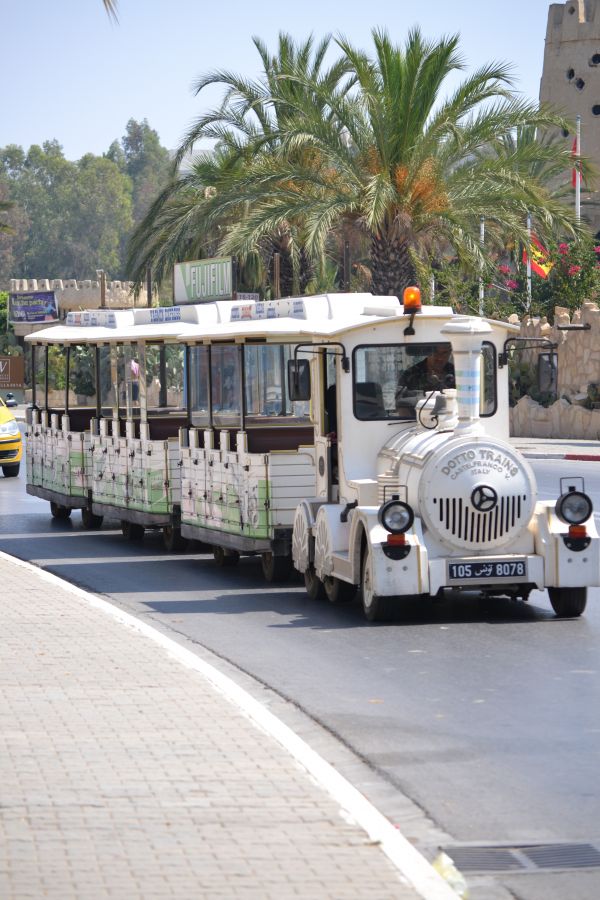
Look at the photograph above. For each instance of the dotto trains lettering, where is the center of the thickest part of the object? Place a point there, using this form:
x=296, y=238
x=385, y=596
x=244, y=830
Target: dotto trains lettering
x=361, y=443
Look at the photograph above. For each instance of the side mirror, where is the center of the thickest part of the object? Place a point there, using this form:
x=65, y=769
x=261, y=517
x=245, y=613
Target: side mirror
x=298, y=379
x=547, y=373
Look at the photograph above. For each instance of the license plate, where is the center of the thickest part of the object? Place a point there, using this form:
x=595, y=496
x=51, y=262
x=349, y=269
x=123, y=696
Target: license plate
x=484, y=569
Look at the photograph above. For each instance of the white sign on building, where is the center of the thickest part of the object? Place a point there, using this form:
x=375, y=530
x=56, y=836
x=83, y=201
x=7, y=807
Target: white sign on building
x=203, y=280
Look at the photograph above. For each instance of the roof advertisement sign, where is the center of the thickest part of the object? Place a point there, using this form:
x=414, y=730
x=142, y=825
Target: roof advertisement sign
x=203, y=280
x=35, y=306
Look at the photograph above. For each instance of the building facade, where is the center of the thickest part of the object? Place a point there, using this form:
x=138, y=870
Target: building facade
x=571, y=81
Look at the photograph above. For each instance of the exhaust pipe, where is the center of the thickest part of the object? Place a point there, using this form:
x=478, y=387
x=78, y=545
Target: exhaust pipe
x=466, y=334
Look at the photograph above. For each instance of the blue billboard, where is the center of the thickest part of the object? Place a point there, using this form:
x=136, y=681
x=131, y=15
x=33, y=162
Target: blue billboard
x=32, y=307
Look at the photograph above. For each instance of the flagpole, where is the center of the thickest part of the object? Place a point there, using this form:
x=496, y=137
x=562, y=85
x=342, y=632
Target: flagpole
x=482, y=242
x=578, y=170
x=529, y=295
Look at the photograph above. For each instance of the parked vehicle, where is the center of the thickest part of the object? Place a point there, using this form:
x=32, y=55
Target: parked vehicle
x=362, y=442
x=11, y=444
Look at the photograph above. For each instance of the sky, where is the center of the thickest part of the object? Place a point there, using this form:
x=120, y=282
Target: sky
x=70, y=74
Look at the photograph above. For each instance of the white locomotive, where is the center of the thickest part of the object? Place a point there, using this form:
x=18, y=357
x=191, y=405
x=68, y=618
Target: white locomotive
x=365, y=443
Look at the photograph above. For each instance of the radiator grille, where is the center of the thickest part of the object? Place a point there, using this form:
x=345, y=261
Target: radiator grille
x=459, y=520
x=8, y=454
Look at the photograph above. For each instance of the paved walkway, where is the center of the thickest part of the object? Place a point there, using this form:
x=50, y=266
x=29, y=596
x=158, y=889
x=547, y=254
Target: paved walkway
x=126, y=774
x=558, y=448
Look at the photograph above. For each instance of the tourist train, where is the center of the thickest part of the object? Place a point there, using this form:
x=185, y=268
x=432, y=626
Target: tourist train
x=358, y=439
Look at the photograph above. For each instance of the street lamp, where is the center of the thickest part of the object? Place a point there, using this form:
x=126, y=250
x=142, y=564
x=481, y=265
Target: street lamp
x=101, y=274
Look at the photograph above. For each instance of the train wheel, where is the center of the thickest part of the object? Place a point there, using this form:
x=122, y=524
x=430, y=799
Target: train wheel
x=276, y=568
x=568, y=603
x=376, y=609
x=173, y=542
x=131, y=531
x=338, y=591
x=313, y=584
x=225, y=557
x=90, y=520
x=58, y=511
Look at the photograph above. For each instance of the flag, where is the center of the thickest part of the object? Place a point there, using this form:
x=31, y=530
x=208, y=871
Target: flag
x=540, y=264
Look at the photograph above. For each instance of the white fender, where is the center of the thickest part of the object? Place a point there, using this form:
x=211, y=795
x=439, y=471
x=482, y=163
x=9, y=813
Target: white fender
x=331, y=536
x=302, y=534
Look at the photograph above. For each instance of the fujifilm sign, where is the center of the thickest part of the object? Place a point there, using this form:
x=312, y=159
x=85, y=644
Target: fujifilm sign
x=203, y=280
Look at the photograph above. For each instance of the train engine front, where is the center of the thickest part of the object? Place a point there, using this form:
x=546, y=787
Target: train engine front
x=459, y=509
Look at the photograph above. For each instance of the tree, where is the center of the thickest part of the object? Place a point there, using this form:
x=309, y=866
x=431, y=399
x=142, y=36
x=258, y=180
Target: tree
x=111, y=8
x=415, y=171
x=250, y=119
x=67, y=218
x=145, y=161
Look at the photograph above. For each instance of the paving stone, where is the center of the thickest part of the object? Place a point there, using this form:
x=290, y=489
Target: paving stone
x=125, y=774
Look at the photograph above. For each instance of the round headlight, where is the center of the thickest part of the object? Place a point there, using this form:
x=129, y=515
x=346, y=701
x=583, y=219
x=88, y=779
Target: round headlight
x=574, y=508
x=396, y=516
x=9, y=428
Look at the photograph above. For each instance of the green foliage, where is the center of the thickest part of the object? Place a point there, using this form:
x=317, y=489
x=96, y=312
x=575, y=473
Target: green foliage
x=593, y=396
x=83, y=371
x=57, y=368
x=573, y=279
x=8, y=342
x=375, y=141
x=67, y=219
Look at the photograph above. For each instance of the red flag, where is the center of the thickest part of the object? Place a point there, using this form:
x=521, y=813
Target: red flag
x=540, y=264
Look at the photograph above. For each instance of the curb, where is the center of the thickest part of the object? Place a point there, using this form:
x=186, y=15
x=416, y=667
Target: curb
x=411, y=864
x=578, y=457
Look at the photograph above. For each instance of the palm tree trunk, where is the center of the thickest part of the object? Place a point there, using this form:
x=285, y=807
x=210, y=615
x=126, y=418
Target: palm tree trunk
x=391, y=266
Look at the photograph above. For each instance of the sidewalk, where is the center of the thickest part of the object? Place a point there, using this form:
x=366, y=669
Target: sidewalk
x=558, y=448
x=126, y=773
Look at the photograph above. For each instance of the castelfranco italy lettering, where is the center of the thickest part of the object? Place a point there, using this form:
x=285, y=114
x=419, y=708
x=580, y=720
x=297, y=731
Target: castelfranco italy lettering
x=480, y=462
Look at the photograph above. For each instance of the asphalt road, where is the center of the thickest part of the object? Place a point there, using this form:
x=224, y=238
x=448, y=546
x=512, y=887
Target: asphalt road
x=485, y=714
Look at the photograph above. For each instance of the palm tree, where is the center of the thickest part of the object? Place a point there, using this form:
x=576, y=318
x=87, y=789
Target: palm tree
x=111, y=8
x=250, y=119
x=414, y=170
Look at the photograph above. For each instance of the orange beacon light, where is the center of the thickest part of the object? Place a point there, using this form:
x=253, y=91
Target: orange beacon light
x=412, y=305
x=412, y=300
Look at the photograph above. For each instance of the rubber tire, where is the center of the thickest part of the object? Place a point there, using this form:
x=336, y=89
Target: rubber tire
x=132, y=531
x=173, y=542
x=376, y=609
x=225, y=558
x=313, y=585
x=338, y=591
x=11, y=471
x=60, y=512
x=276, y=568
x=568, y=603
x=90, y=521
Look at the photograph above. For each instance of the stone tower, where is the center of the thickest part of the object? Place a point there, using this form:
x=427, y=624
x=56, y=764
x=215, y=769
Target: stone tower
x=571, y=81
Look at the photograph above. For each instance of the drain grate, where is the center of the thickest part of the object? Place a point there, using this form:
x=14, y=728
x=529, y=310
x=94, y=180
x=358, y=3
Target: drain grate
x=523, y=857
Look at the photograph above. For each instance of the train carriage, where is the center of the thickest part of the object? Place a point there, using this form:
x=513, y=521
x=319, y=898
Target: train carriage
x=363, y=443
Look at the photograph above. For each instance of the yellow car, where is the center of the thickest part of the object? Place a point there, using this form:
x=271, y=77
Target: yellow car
x=11, y=444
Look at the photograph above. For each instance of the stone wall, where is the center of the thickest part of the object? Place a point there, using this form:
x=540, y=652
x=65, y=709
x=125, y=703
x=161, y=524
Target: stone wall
x=578, y=366
x=71, y=294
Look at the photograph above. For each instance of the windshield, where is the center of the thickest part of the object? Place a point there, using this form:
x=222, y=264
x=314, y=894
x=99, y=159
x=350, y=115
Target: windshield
x=390, y=379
